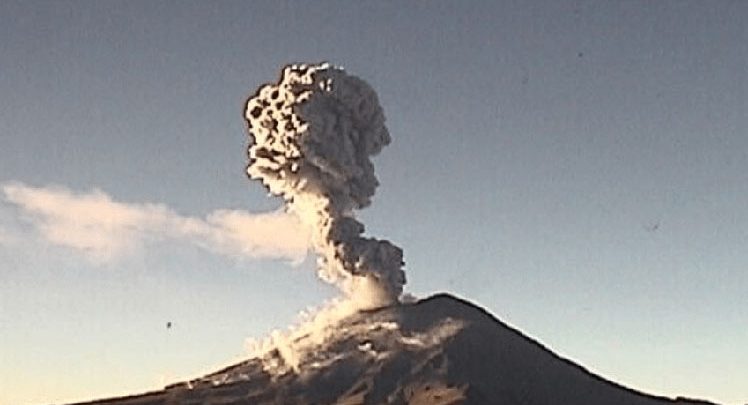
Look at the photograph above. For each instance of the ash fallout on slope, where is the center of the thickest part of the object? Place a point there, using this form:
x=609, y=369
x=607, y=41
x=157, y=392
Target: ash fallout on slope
x=312, y=136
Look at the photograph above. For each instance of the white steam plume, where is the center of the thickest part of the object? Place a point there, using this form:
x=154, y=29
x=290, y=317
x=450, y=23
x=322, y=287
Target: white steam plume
x=312, y=136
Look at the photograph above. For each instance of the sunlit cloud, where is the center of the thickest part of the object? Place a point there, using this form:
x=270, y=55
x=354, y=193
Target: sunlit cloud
x=273, y=234
x=103, y=230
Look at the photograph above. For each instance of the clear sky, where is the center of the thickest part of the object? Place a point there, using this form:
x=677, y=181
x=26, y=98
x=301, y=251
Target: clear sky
x=578, y=168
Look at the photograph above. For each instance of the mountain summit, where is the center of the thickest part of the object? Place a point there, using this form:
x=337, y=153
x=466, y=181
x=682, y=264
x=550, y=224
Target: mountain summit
x=440, y=350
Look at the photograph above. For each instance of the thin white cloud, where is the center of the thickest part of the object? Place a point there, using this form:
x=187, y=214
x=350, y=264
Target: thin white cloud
x=104, y=230
x=270, y=234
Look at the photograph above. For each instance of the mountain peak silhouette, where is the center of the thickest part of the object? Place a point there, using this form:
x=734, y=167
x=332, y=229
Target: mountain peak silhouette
x=439, y=350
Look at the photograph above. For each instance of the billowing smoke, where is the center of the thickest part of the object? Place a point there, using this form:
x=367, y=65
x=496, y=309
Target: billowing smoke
x=312, y=136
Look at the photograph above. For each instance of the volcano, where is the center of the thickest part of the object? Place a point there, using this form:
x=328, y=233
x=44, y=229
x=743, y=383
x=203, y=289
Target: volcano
x=439, y=350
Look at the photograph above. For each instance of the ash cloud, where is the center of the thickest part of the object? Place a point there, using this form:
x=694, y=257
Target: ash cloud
x=312, y=136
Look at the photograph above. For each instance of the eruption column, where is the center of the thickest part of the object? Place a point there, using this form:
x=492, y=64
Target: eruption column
x=312, y=136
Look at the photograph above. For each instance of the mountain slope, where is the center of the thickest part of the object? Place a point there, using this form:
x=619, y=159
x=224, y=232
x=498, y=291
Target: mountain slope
x=441, y=350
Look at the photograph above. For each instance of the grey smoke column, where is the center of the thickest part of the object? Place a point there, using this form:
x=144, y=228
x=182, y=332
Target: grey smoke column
x=312, y=136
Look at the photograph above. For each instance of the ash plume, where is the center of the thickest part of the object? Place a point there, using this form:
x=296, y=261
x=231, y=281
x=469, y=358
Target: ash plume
x=312, y=136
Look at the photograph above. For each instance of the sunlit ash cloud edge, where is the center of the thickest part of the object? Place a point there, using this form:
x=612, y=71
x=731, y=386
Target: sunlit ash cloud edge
x=103, y=230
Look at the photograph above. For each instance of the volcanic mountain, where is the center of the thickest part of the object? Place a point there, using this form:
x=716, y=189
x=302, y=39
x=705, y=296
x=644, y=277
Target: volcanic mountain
x=440, y=350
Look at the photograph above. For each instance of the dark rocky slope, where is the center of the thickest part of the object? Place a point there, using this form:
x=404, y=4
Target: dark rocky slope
x=441, y=350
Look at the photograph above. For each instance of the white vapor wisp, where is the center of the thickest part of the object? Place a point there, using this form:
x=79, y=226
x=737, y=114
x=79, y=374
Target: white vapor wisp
x=104, y=230
x=312, y=136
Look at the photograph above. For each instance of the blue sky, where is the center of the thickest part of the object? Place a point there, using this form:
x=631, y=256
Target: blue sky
x=578, y=168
